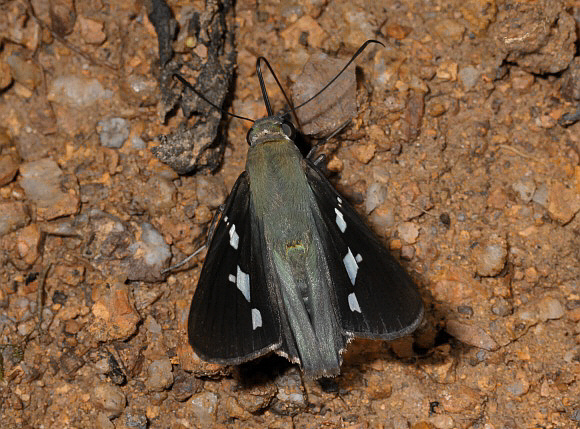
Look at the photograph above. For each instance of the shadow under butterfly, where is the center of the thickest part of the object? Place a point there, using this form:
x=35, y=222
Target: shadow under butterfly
x=291, y=268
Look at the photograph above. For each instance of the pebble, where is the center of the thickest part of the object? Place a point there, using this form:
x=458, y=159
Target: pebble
x=103, y=421
x=115, y=315
x=210, y=191
x=92, y=31
x=160, y=375
x=203, y=406
x=8, y=168
x=571, y=81
x=518, y=388
x=522, y=80
x=290, y=399
x=185, y=385
x=257, y=397
x=138, y=143
x=140, y=90
x=26, y=73
x=365, y=152
x=376, y=195
x=408, y=232
x=469, y=76
x=378, y=386
x=563, y=203
x=490, y=256
x=77, y=91
x=549, y=309
x=449, y=30
x=383, y=218
x=149, y=255
x=525, y=188
x=13, y=215
x=470, y=334
x=442, y=421
x=113, y=132
x=109, y=398
x=28, y=243
x=133, y=420
x=54, y=193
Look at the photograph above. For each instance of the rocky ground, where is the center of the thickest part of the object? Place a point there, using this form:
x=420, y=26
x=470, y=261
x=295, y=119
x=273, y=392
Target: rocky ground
x=464, y=156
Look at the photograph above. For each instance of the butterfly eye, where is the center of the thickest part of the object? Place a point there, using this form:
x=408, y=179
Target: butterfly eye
x=289, y=130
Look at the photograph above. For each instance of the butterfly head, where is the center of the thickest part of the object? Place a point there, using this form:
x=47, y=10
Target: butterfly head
x=270, y=128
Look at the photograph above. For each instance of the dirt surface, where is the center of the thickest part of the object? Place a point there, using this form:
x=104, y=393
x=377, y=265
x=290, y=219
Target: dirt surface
x=464, y=156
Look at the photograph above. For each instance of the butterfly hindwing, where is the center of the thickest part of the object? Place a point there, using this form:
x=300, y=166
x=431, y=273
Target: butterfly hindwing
x=231, y=319
x=375, y=297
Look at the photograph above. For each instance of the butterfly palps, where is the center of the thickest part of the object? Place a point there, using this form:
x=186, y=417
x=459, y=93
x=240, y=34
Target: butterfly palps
x=292, y=268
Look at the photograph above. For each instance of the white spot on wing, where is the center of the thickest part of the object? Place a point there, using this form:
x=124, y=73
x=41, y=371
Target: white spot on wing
x=243, y=283
x=226, y=219
x=358, y=258
x=340, y=220
x=353, y=303
x=351, y=266
x=232, y=278
x=234, y=237
x=339, y=200
x=256, y=318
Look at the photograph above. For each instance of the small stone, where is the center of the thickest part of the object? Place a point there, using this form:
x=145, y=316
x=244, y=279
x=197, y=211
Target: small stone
x=458, y=399
x=103, y=421
x=541, y=195
x=449, y=30
x=160, y=375
x=138, y=143
x=185, y=385
x=521, y=80
x=210, y=191
x=564, y=203
x=376, y=195
x=69, y=363
x=290, y=399
x=550, y=309
x=471, y=334
x=408, y=232
x=407, y=252
x=92, y=31
x=109, y=398
x=490, y=256
x=525, y=188
x=113, y=132
x=54, y=193
x=447, y=71
x=13, y=215
x=571, y=81
x=383, y=218
x=8, y=169
x=469, y=76
x=442, y=421
x=204, y=407
x=436, y=109
x=397, y=31
x=257, y=397
x=140, y=90
x=378, y=386
x=133, y=420
x=518, y=388
x=77, y=91
x=148, y=256
x=28, y=243
x=364, y=153
x=115, y=315
x=497, y=199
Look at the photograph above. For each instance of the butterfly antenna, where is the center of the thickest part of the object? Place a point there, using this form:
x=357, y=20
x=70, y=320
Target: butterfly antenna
x=265, y=93
x=200, y=95
x=357, y=53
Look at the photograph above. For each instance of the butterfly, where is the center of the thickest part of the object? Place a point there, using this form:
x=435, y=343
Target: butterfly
x=291, y=267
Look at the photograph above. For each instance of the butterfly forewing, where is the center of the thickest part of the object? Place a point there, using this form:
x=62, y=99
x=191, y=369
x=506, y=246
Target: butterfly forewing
x=375, y=297
x=231, y=319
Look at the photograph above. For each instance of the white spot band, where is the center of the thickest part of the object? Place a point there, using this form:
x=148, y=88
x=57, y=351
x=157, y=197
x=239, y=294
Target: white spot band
x=353, y=303
x=256, y=318
x=351, y=266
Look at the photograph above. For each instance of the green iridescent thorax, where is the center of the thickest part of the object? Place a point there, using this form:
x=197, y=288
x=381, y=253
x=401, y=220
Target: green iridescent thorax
x=280, y=193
